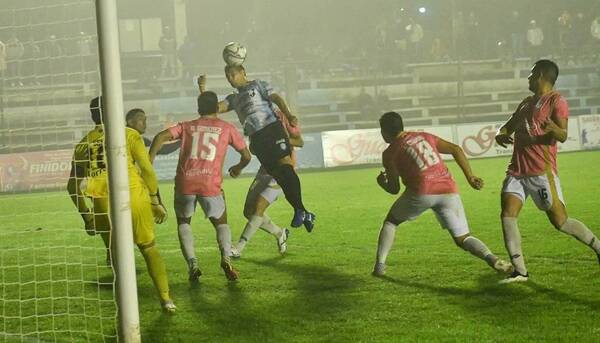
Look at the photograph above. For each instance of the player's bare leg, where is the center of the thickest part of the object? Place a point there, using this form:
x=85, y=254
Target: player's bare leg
x=158, y=273
x=224, y=241
x=479, y=249
x=186, y=243
x=289, y=182
x=384, y=244
x=559, y=218
x=511, y=207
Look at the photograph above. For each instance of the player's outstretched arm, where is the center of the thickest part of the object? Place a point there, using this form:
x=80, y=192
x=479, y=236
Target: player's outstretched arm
x=457, y=152
x=141, y=158
x=223, y=105
x=157, y=143
x=245, y=158
x=282, y=105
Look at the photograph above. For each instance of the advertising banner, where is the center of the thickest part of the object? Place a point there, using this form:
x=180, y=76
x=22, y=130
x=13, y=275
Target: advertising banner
x=589, y=131
x=32, y=171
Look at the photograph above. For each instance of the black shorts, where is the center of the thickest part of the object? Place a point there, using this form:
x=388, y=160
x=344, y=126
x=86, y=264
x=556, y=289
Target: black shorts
x=270, y=144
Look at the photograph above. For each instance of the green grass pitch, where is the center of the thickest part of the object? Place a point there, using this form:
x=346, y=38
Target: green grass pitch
x=321, y=290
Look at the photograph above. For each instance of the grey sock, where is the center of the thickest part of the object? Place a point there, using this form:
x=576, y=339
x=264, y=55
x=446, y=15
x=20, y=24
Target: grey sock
x=269, y=226
x=578, y=230
x=386, y=239
x=224, y=240
x=512, y=241
x=249, y=231
x=186, y=241
x=479, y=249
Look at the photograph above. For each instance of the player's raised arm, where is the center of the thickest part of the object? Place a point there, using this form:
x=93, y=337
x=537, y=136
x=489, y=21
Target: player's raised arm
x=157, y=143
x=457, y=152
x=280, y=102
x=223, y=105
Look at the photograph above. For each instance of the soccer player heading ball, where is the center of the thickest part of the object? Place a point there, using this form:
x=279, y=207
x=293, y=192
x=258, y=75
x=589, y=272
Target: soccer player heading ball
x=415, y=157
x=538, y=123
x=269, y=141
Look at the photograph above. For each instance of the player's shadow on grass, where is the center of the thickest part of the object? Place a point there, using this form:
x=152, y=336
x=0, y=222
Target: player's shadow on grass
x=319, y=292
x=229, y=312
x=501, y=304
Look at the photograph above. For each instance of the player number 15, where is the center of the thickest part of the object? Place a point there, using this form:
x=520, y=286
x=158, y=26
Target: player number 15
x=207, y=146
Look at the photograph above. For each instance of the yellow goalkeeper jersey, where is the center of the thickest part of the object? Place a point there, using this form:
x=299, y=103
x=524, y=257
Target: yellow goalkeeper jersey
x=89, y=155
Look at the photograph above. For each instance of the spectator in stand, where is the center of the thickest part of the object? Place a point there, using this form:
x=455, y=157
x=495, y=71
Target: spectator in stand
x=517, y=30
x=54, y=59
x=415, y=39
x=31, y=60
x=365, y=104
x=14, y=55
x=595, y=31
x=168, y=47
x=473, y=37
x=187, y=56
x=2, y=60
x=565, y=27
x=438, y=51
x=535, y=38
x=580, y=38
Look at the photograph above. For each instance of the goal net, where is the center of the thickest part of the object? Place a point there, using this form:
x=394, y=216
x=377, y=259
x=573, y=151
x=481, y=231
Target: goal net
x=55, y=284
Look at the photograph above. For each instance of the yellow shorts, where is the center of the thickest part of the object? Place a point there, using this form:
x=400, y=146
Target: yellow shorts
x=141, y=216
x=142, y=219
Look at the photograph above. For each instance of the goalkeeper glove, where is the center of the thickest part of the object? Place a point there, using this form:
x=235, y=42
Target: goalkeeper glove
x=158, y=209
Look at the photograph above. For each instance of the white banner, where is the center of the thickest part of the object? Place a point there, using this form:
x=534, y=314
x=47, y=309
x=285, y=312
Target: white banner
x=573, y=142
x=589, y=131
x=477, y=140
x=354, y=147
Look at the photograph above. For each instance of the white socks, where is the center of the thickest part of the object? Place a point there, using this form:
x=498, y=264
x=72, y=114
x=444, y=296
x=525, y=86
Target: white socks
x=386, y=239
x=578, y=230
x=224, y=240
x=512, y=241
x=186, y=241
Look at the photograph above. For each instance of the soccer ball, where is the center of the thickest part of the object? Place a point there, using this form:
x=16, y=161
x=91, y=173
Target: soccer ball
x=234, y=54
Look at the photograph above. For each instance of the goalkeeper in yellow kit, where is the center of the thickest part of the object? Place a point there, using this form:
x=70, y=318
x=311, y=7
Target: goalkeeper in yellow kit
x=89, y=163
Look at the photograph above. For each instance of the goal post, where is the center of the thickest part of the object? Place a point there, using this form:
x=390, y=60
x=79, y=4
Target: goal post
x=118, y=180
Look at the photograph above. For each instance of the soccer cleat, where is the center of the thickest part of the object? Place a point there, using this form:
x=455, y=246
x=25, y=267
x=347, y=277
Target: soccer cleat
x=235, y=253
x=309, y=221
x=298, y=217
x=515, y=277
x=379, y=269
x=168, y=306
x=282, y=241
x=230, y=273
x=194, y=273
x=503, y=267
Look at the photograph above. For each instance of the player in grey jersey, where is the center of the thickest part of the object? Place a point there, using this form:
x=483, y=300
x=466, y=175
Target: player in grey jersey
x=269, y=140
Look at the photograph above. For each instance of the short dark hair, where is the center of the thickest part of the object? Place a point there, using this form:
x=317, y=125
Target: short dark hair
x=96, y=109
x=208, y=103
x=549, y=69
x=132, y=113
x=391, y=122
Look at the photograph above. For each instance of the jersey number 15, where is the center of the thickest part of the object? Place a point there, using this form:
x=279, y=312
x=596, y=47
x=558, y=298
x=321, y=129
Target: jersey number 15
x=206, y=143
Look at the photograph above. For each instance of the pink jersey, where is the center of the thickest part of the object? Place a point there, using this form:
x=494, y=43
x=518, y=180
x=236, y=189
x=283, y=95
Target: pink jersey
x=204, y=144
x=418, y=162
x=536, y=159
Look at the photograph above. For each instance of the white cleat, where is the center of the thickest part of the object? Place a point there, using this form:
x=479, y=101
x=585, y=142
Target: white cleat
x=168, y=306
x=503, y=267
x=235, y=253
x=379, y=269
x=282, y=241
x=515, y=277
